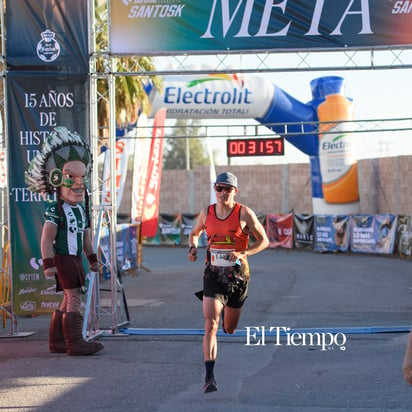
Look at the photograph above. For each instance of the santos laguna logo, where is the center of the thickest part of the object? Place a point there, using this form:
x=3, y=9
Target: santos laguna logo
x=48, y=48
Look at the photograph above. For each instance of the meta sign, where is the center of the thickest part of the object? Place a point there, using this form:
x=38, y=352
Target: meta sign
x=255, y=147
x=213, y=26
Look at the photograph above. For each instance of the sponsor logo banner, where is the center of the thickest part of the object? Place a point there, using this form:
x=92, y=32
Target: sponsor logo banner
x=303, y=231
x=332, y=233
x=373, y=234
x=231, y=25
x=217, y=96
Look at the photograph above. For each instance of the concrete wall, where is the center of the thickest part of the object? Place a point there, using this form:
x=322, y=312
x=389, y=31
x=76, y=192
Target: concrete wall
x=385, y=187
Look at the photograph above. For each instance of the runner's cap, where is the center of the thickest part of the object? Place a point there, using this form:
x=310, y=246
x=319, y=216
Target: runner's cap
x=227, y=178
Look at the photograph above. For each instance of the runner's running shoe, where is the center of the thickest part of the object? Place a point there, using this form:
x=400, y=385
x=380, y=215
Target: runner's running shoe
x=210, y=385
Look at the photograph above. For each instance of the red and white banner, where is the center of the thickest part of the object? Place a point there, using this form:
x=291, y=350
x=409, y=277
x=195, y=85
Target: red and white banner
x=122, y=156
x=140, y=164
x=150, y=212
x=279, y=229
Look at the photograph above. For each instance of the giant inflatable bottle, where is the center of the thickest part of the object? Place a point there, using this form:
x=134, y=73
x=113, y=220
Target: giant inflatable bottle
x=337, y=154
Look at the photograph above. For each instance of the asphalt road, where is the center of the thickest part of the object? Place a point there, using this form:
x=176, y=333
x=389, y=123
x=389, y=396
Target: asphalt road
x=335, y=332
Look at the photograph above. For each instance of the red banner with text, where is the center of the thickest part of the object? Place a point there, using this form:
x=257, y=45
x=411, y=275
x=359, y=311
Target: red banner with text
x=150, y=212
x=279, y=229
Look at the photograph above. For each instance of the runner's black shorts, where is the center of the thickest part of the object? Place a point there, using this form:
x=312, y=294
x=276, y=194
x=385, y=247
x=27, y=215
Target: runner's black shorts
x=220, y=283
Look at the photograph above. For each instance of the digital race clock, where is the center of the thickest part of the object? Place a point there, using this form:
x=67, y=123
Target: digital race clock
x=274, y=146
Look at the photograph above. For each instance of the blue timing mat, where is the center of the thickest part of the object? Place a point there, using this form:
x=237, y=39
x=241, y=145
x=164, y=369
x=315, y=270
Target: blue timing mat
x=361, y=330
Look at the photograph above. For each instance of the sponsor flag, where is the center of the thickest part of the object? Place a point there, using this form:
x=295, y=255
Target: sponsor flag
x=140, y=164
x=150, y=212
x=122, y=156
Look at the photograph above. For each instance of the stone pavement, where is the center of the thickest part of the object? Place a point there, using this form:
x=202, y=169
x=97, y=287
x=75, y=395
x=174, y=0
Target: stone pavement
x=359, y=303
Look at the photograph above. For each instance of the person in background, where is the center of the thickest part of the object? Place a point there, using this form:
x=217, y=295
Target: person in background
x=63, y=166
x=407, y=362
x=226, y=274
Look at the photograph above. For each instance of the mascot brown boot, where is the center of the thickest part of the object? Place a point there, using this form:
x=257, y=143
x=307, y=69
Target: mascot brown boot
x=76, y=345
x=57, y=344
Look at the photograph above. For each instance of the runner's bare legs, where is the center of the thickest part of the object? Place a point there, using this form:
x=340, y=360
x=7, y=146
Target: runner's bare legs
x=212, y=309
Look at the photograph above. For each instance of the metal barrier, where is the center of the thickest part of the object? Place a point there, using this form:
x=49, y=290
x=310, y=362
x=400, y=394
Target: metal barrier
x=119, y=312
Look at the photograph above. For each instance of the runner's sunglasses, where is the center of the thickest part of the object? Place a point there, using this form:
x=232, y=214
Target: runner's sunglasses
x=224, y=188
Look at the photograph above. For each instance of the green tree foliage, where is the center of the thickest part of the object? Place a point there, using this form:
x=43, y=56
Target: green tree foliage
x=130, y=94
x=175, y=151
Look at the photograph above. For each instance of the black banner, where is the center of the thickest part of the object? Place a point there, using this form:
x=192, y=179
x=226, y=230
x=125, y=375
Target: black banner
x=303, y=231
x=47, y=86
x=36, y=104
x=47, y=35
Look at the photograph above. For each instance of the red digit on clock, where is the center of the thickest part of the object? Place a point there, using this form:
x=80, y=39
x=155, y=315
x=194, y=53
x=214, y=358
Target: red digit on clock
x=278, y=144
x=232, y=148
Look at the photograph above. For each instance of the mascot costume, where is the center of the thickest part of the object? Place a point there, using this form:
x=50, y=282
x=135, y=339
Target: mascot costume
x=63, y=166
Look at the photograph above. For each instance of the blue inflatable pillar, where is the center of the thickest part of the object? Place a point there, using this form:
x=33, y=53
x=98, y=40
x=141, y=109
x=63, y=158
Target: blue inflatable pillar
x=300, y=130
x=299, y=118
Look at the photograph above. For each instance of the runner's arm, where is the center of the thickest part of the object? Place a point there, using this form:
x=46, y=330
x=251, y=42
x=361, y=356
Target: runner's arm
x=194, y=234
x=258, y=231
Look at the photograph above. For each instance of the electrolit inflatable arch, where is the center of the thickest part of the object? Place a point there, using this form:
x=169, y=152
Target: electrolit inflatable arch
x=329, y=143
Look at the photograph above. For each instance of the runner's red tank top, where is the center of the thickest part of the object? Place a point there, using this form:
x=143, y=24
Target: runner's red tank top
x=226, y=233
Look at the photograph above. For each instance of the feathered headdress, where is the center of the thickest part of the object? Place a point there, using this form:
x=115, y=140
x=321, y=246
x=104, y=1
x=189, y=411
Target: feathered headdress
x=45, y=170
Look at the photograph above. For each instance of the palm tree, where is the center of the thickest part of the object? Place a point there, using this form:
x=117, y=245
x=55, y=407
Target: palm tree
x=130, y=95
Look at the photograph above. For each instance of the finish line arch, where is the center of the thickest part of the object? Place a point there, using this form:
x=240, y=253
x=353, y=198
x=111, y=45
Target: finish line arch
x=365, y=34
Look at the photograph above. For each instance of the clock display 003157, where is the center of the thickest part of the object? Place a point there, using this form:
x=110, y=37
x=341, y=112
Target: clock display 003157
x=255, y=147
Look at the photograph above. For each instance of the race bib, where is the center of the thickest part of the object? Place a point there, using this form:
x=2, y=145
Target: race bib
x=220, y=257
